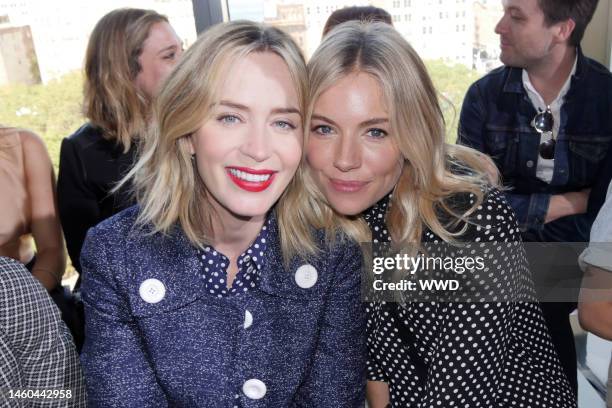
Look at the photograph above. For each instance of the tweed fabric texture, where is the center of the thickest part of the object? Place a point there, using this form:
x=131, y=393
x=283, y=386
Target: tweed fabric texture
x=193, y=349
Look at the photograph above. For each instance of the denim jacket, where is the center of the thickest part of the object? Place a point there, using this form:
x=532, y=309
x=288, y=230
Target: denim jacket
x=496, y=119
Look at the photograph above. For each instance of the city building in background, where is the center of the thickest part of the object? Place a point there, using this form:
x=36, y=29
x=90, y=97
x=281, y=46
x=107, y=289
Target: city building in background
x=290, y=18
x=60, y=28
x=18, y=62
x=456, y=31
x=452, y=30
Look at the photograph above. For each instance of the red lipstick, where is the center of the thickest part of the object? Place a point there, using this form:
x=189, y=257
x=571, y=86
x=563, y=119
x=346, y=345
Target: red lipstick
x=253, y=180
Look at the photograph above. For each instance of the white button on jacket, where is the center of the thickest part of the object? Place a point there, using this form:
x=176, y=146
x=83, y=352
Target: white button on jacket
x=248, y=319
x=306, y=276
x=152, y=290
x=254, y=388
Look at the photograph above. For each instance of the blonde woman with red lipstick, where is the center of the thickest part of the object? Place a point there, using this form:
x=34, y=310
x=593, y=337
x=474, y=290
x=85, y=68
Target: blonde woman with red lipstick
x=213, y=291
x=377, y=156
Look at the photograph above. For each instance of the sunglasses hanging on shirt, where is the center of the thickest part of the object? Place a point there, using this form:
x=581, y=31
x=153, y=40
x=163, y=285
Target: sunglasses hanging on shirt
x=543, y=124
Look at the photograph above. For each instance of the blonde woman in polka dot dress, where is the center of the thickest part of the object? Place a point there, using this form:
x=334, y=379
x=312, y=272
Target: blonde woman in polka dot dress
x=377, y=155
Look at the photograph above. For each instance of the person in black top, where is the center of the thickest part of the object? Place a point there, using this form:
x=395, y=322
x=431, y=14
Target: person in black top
x=377, y=155
x=130, y=52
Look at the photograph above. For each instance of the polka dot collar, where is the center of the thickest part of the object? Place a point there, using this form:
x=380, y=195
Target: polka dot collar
x=214, y=266
x=378, y=210
x=375, y=218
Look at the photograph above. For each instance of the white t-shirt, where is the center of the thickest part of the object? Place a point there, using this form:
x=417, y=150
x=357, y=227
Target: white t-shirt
x=544, y=168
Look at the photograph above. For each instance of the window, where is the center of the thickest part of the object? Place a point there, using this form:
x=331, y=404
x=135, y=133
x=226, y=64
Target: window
x=304, y=20
x=60, y=34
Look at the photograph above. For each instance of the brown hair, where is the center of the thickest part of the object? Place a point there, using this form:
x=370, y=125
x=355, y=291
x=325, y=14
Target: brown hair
x=581, y=11
x=365, y=13
x=111, y=100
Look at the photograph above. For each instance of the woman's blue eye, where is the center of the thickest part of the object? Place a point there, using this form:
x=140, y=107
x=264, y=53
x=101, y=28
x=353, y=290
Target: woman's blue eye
x=170, y=56
x=285, y=125
x=228, y=119
x=322, y=129
x=376, y=133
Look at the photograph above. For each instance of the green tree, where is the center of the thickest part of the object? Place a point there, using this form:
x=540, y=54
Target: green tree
x=452, y=82
x=52, y=110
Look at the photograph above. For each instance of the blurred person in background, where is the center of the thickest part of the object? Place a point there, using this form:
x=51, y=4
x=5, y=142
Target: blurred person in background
x=29, y=209
x=545, y=120
x=359, y=13
x=130, y=53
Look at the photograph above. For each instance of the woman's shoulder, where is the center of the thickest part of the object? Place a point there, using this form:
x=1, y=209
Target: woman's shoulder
x=25, y=143
x=337, y=243
x=93, y=151
x=36, y=156
x=27, y=139
x=118, y=228
x=91, y=140
x=492, y=219
x=85, y=135
x=493, y=209
x=492, y=202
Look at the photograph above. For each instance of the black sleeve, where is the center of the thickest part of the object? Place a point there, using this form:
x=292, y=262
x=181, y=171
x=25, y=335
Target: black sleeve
x=79, y=207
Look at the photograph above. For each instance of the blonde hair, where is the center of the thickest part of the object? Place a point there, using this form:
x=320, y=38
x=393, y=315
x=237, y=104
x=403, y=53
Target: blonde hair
x=168, y=187
x=111, y=99
x=433, y=171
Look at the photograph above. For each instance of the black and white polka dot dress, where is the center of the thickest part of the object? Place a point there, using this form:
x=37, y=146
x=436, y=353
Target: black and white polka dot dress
x=469, y=354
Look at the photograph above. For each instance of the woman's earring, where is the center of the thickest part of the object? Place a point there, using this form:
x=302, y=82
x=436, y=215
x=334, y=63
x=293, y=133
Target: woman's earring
x=193, y=157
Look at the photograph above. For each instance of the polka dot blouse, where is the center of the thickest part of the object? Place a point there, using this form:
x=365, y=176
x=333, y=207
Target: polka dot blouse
x=469, y=354
x=214, y=267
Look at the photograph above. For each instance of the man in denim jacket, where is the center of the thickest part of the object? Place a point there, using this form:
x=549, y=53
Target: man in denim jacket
x=545, y=118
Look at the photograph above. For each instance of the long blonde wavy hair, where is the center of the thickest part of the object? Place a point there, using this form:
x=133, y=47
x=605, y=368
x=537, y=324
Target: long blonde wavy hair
x=433, y=171
x=167, y=185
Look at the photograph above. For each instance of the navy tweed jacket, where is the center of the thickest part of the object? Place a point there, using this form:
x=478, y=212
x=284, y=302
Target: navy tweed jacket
x=305, y=346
